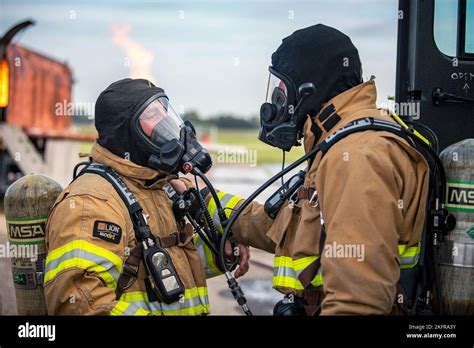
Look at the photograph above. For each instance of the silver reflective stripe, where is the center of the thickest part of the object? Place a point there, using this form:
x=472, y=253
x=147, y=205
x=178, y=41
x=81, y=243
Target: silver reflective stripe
x=410, y=260
x=286, y=277
x=79, y=253
x=139, y=304
x=159, y=307
x=215, y=217
x=131, y=309
x=176, y=306
x=409, y=256
x=200, y=249
x=286, y=272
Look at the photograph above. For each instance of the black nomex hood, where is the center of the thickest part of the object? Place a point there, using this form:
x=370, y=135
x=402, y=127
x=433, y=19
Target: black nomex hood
x=321, y=55
x=114, y=110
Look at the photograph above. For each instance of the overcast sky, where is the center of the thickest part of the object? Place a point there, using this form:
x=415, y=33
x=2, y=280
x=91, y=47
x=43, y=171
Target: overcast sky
x=210, y=56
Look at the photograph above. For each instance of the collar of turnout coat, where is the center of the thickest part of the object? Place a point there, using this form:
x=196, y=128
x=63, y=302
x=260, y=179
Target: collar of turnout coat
x=355, y=103
x=143, y=176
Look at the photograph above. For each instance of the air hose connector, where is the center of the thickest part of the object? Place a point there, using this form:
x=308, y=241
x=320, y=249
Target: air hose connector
x=237, y=293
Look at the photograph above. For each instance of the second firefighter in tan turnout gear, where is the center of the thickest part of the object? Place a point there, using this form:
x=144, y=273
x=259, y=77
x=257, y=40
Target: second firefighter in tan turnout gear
x=371, y=194
x=90, y=232
x=356, y=223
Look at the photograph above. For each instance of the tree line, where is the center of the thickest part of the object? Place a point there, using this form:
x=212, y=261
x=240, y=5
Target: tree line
x=222, y=121
x=225, y=120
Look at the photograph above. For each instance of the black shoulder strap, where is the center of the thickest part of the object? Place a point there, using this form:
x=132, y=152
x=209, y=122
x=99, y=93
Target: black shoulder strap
x=437, y=173
x=134, y=208
x=360, y=125
x=113, y=178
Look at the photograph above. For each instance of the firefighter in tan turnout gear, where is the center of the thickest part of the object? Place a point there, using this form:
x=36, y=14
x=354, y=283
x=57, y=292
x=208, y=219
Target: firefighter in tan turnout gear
x=347, y=236
x=91, y=230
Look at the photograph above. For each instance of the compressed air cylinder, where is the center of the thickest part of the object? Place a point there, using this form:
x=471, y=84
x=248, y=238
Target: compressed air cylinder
x=27, y=205
x=457, y=252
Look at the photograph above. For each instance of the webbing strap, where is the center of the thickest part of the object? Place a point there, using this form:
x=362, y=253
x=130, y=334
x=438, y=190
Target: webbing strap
x=113, y=178
x=141, y=228
x=129, y=274
x=360, y=125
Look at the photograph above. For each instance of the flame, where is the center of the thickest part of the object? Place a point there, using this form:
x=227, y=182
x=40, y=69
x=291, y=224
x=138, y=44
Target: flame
x=139, y=58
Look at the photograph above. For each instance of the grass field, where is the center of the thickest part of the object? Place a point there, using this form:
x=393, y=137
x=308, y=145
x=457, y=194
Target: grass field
x=248, y=138
x=265, y=153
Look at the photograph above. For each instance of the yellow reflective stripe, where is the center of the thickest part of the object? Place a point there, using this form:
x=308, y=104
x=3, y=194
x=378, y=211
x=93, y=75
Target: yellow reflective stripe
x=119, y=308
x=201, y=308
x=210, y=262
x=297, y=265
x=228, y=208
x=228, y=202
x=198, y=243
x=293, y=283
x=124, y=308
x=86, y=246
x=211, y=206
x=134, y=296
x=287, y=282
x=195, y=292
x=82, y=264
x=408, y=251
x=409, y=256
x=207, y=257
x=231, y=205
x=197, y=310
x=318, y=279
x=141, y=311
x=196, y=300
x=286, y=272
x=87, y=256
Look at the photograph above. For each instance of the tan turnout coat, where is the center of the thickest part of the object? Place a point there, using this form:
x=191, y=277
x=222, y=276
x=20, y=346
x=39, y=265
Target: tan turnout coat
x=371, y=194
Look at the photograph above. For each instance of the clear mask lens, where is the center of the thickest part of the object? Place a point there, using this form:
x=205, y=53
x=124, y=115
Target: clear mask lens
x=160, y=122
x=277, y=92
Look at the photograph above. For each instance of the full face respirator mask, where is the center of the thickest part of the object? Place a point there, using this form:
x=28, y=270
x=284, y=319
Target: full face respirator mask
x=169, y=142
x=280, y=119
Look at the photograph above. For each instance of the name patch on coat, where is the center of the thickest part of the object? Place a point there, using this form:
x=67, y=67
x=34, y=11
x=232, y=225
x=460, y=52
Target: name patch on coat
x=107, y=231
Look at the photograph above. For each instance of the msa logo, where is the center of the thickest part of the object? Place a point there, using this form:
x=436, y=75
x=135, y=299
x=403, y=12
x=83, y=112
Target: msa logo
x=460, y=196
x=25, y=230
x=107, y=231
